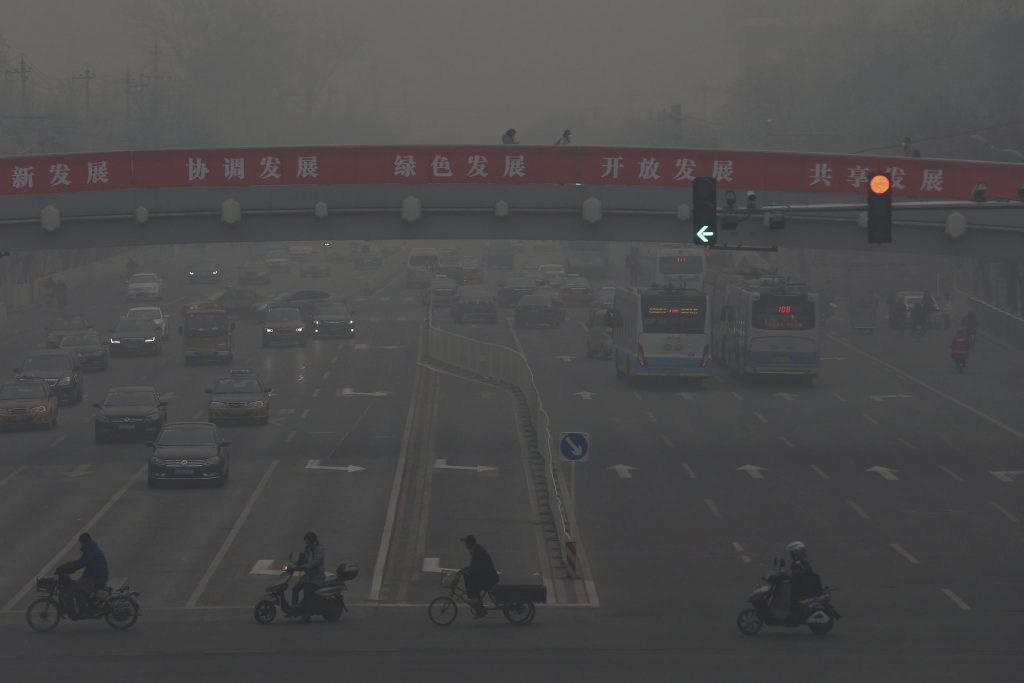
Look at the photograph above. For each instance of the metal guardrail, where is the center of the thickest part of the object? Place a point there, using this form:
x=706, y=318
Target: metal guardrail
x=998, y=323
x=506, y=365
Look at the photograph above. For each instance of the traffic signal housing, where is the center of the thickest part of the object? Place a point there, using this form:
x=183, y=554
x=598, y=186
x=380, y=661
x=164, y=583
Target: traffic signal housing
x=705, y=211
x=879, y=208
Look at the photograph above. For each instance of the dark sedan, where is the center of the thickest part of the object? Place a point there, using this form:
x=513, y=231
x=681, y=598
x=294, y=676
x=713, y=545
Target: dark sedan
x=188, y=451
x=59, y=369
x=475, y=304
x=135, y=336
x=131, y=413
x=333, y=319
x=284, y=326
x=205, y=272
x=58, y=327
x=538, y=309
x=302, y=299
x=515, y=289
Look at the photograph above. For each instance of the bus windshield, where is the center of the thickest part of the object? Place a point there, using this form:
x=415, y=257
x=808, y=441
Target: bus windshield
x=775, y=312
x=422, y=260
x=206, y=323
x=673, y=315
x=679, y=264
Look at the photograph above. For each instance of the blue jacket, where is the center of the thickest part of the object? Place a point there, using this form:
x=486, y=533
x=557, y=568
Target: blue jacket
x=92, y=560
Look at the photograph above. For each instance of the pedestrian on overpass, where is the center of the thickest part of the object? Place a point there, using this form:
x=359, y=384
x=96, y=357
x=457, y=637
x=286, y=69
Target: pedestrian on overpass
x=565, y=139
x=509, y=138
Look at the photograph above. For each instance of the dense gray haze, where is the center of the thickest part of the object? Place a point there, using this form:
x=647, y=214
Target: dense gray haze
x=791, y=74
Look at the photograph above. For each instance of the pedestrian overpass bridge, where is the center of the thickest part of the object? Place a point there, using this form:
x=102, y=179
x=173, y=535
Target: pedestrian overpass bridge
x=492, y=192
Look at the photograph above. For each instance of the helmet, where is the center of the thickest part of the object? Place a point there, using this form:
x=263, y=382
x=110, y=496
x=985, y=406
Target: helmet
x=310, y=537
x=797, y=551
x=84, y=538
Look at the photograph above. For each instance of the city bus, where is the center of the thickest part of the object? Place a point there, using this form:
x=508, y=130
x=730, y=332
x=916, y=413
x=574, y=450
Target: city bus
x=674, y=264
x=661, y=332
x=767, y=326
x=420, y=267
x=207, y=333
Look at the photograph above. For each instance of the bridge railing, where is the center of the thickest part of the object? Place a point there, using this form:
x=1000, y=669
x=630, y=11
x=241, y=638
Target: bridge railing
x=509, y=368
x=998, y=323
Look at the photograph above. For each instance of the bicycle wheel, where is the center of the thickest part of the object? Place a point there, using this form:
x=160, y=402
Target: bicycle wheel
x=519, y=613
x=442, y=610
x=43, y=614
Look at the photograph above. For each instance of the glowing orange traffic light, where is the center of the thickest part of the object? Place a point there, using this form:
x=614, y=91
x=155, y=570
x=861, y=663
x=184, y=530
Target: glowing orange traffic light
x=879, y=183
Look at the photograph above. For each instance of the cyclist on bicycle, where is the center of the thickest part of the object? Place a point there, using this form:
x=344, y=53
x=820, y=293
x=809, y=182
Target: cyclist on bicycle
x=480, y=576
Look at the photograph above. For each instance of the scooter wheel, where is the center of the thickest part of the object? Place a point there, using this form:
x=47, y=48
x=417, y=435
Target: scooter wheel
x=264, y=612
x=822, y=629
x=749, y=622
x=334, y=612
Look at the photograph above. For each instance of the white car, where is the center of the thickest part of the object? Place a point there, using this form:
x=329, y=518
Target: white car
x=145, y=287
x=154, y=313
x=551, y=274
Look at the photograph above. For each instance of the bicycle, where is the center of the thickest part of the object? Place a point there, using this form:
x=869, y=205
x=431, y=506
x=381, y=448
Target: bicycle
x=515, y=602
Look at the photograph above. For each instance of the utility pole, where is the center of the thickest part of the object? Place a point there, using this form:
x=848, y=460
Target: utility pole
x=127, y=97
x=87, y=77
x=22, y=71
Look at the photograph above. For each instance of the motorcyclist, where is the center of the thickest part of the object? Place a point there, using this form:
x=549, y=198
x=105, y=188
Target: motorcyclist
x=970, y=324
x=959, y=347
x=96, y=573
x=804, y=582
x=919, y=319
x=310, y=561
x=480, y=575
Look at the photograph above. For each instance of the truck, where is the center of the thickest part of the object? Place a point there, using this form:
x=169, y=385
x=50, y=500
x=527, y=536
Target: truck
x=589, y=259
x=207, y=333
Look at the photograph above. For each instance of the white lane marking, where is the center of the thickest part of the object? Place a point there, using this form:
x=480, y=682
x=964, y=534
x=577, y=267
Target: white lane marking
x=907, y=556
x=198, y=414
x=431, y=565
x=820, y=472
x=838, y=397
x=1006, y=513
x=316, y=392
x=937, y=392
x=760, y=417
x=650, y=416
x=623, y=471
x=442, y=464
x=291, y=436
x=714, y=508
x=869, y=418
x=907, y=443
x=886, y=473
x=264, y=568
x=737, y=396
x=637, y=395
x=689, y=471
x=334, y=360
x=66, y=550
x=957, y=600
x=326, y=375
x=754, y=471
x=786, y=441
x=315, y=465
x=59, y=440
x=226, y=545
x=858, y=509
x=13, y=474
x=668, y=442
x=1005, y=476
x=951, y=473
x=886, y=397
x=305, y=414
x=739, y=549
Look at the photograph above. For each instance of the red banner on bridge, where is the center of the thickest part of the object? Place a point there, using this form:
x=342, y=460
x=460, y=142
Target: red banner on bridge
x=625, y=166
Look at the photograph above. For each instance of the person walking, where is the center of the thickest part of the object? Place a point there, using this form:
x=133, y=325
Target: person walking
x=565, y=139
x=509, y=138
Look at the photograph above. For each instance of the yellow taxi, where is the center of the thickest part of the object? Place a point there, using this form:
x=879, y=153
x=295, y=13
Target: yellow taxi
x=27, y=403
x=239, y=397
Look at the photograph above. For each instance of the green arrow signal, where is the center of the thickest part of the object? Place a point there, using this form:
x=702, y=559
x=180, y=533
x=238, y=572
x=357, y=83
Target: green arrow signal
x=705, y=234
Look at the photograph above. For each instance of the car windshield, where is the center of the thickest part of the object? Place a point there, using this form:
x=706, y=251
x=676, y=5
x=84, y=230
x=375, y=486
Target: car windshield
x=75, y=323
x=135, y=325
x=22, y=391
x=284, y=315
x=576, y=283
x=129, y=397
x=187, y=436
x=331, y=308
x=144, y=314
x=48, y=363
x=421, y=260
x=237, y=386
x=535, y=300
x=80, y=340
x=142, y=279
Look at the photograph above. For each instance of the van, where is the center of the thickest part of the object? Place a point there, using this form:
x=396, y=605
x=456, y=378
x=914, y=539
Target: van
x=420, y=267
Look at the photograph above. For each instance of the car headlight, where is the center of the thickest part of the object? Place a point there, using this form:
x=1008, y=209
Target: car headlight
x=217, y=404
x=351, y=323
x=254, y=404
x=316, y=322
x=215, y=460
x=216, y=272
x=150, y=340
x=39, y=409
x=64, y=381
x=191, y=272
x=298, y=329
x=268, y=330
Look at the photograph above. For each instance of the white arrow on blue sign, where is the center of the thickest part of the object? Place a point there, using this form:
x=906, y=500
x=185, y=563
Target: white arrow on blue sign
x=574, y=446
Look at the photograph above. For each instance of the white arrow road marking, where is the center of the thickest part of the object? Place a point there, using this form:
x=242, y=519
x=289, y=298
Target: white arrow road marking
x=623, y=471
x=442, y=464
x=315, y=465
x=1006, y=475
x=352, y=392
x=585, y=395
x=565, y=359
x=957, y=600
x=685, y=395
x=885, y=472
x=787, y=397
x=879, y=399
x=754, y=471
x=264, y=568
x=909, y=558
x=79, y=471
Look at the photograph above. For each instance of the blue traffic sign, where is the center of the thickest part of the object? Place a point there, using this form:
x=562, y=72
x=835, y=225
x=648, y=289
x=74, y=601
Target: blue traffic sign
x=574, y=446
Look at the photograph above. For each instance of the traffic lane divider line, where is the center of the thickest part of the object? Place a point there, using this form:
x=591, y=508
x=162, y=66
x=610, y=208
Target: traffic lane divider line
x=869, y=418
x=858, y=509
x=906, y=555
x=787, y=442
x=760, y=417
x=1006, y=513
x=820, y=472
x=951, y=473
x=737, y=396
x=689, y=471
x=668, y=442
x=957, y=600
x=232, y=534
x=74, y=539
x=739, y=549
x=712, y=507
x=12, y=475
x=838, y=397
x=907, y=443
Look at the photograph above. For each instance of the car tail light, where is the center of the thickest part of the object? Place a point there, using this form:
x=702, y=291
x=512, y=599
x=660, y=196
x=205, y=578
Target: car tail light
x=640, y=353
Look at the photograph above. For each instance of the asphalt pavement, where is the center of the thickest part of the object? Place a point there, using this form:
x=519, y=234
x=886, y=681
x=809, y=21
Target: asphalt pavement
x=897, y=472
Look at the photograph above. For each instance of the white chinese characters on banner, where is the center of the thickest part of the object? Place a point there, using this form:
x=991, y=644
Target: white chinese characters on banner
x=611, y=167
x=234, y=167
x=897, y=174
x=721, y=170
x=932, y=179
x=405, y=166
x=97, y=172
x=477, y=166
x=270, y=168
x=649, y=169
x=23, y=177
x=515, y=166
x=857, y=176
x=821, y=173
x=441, y=166
x=308, y=167
x=60, y=174
x=685, y=169
x=197, y=169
